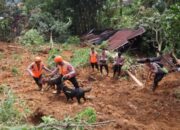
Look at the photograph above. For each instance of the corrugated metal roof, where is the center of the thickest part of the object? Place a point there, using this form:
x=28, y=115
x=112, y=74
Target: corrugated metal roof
x=121, y=37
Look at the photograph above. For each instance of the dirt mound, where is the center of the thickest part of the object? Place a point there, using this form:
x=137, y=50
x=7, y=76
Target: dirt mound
x=117, y=99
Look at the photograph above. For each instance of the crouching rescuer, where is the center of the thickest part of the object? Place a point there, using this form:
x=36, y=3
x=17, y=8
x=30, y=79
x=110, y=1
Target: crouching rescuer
x=35, y=70
x=65, y=71
x=159, y=71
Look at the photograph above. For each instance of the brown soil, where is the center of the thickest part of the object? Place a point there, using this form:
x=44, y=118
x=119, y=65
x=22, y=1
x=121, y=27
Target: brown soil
x=121, y=100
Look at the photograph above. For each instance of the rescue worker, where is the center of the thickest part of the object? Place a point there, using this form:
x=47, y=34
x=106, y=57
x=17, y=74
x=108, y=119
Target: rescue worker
x=35, y=70
x=93, y=58
x=117, y=65
x=103, y=62
x=159, y=71
x=66, y=72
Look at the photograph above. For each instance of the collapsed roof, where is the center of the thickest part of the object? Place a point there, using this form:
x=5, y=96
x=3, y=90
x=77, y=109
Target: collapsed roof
x=122, y=37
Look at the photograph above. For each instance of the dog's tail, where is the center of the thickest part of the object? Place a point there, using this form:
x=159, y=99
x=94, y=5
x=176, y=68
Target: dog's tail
x=87, y=89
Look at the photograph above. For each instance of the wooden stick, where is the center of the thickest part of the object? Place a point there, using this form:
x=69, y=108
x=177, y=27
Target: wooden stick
x=135, y=79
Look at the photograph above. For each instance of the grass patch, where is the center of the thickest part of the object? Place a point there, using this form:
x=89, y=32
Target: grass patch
x=17, y=57
x=1, y=55
x=15, y=71
x=177, y=93
x=11, y=109
x=80, y=57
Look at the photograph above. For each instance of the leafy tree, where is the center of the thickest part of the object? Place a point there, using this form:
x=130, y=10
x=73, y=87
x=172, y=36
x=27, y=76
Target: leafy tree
x=171, y=23
x=154, y=25
x=46, y=24
x=5, y=29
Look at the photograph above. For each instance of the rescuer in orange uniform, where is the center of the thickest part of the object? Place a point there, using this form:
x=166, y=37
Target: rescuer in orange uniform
x=35, y=70
x=93, y=58
x=66, y=72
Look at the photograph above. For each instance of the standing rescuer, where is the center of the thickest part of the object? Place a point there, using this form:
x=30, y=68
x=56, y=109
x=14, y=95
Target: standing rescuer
x=118, y=63
x=66, y=72
x=103, y=62
x=93, y=58
x=159, y=71
x=35, y=70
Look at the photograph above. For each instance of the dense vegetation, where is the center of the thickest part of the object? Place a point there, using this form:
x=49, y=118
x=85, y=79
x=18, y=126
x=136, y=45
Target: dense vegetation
x=57, y=20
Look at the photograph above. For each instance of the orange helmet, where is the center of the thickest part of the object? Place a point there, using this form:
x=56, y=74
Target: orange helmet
x=37, y=59
x=58, y=59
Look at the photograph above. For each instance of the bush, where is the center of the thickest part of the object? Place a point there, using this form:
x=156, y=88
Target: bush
x=129, y=61
x=73, y=40
x=88, y=115
x=32, y=37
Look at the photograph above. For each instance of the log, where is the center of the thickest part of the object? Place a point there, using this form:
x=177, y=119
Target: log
x=135, y=79
x=11, y=46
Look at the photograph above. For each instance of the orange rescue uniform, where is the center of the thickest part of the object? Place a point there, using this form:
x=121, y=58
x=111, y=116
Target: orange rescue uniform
x=37, y=71
x=93, y=57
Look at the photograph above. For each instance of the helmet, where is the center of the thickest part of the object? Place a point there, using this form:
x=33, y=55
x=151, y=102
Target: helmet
x=58, y=59
x=37, y=59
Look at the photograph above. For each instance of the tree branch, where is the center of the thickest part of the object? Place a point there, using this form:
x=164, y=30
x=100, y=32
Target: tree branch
x=68, y=125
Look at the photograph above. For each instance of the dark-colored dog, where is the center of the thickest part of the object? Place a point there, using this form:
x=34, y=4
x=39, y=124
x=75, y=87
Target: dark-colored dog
x=78, y=93
x=50, y=83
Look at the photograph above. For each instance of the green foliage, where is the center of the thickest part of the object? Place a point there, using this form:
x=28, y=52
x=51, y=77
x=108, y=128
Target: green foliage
x=66, y=47
x=129, y=61
x=5, y=29
x=177, y=93
x=73, y=40
x=9, y=114
x=15, y=71
x=48, y=119
x=88, y=115
x=171, y=24
x=45, y=23
x=32, y=37
x=104, y=45
x=2, y=88
x=1, y=55
x=51, y=55
x=80, y=57
x=17, y=57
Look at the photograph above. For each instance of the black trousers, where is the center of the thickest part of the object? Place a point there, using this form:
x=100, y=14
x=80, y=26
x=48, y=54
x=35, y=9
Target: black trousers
x=38, y=81
x=95, y=65
x=117, y=69
x=158, y=77
x=74, y=82
x=59, y=84
x=104, y=66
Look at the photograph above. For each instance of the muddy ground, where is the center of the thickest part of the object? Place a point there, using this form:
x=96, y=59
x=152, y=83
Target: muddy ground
x=121, y=99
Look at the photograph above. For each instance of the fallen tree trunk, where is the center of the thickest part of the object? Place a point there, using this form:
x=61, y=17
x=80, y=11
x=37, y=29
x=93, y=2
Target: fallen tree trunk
x=135, y=79
x=17, y=47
